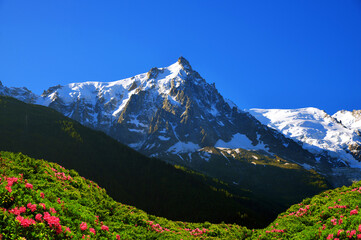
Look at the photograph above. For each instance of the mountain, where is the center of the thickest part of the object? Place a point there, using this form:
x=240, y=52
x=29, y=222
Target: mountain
x=173, y=114
x=323, y=135
x=129, y=177
x=43, y=200
x=22, y=94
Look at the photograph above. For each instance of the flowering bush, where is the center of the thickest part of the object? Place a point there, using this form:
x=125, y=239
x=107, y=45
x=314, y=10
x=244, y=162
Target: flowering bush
x=56, y=203
x=61, y=205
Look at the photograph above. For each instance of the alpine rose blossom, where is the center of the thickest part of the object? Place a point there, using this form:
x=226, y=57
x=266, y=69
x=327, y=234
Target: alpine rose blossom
x=83, y=226
x=32, y=207
x=105, y=228
x=38, y=217
x=28, y=185
x=92, y=230
x=353, y=212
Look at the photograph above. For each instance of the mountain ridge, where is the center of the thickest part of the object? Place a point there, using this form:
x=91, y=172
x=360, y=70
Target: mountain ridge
x=173, y=114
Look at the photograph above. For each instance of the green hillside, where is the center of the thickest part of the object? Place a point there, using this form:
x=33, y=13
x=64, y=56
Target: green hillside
x=43, y=200
x=128, y=176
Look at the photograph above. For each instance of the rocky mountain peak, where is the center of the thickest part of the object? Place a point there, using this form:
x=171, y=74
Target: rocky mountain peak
x=153, y=73
x=184, y=64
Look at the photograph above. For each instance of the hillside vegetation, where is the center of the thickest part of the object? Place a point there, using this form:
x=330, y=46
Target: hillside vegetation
x=43, y=200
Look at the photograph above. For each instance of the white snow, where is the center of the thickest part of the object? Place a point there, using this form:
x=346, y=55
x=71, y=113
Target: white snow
x=240, y=141
x=306, y=166
x=136, y=122
x=315, y=128
x=214, y=111
x=163, y=138
x=117, y=92
x=183, y=147
x=135, y=130
x=135, y=145
x=351, y=120
x=205, y=155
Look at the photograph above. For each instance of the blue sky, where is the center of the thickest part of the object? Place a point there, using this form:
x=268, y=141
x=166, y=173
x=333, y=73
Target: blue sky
x=264, y=54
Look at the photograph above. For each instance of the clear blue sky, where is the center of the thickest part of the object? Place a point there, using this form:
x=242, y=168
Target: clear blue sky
x=265, y=54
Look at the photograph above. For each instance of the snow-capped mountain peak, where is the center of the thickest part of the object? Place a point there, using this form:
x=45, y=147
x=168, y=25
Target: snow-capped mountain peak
x=318, y=132
x=21, y=93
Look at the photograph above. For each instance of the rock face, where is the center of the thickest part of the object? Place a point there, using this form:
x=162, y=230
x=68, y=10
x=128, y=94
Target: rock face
x=173, y=114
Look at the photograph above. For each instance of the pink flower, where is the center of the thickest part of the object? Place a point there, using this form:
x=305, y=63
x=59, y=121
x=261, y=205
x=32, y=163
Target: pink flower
x=358, y=236
x=52, y=210
x=28, y=185
x=118, y=237
x=25, y=222
x=11, y=181
x=8, y=188
x=92, y=230
x=22, y=209
x=104, y=228
x=59, y=200
x=353, y=212
x=58, y=229
x=359, y=228
x=83, y=226
x=52, y=220
x=330, y=236
x=32, y=207
x=42, y=195
x=38, y=217
x=67, y=229
x=17, y=211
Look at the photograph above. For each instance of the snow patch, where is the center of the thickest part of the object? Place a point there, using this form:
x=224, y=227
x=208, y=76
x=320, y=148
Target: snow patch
x=306, y=166
x=163, y=138
x=135, y=130
x=240, y=141
x=183, y=147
